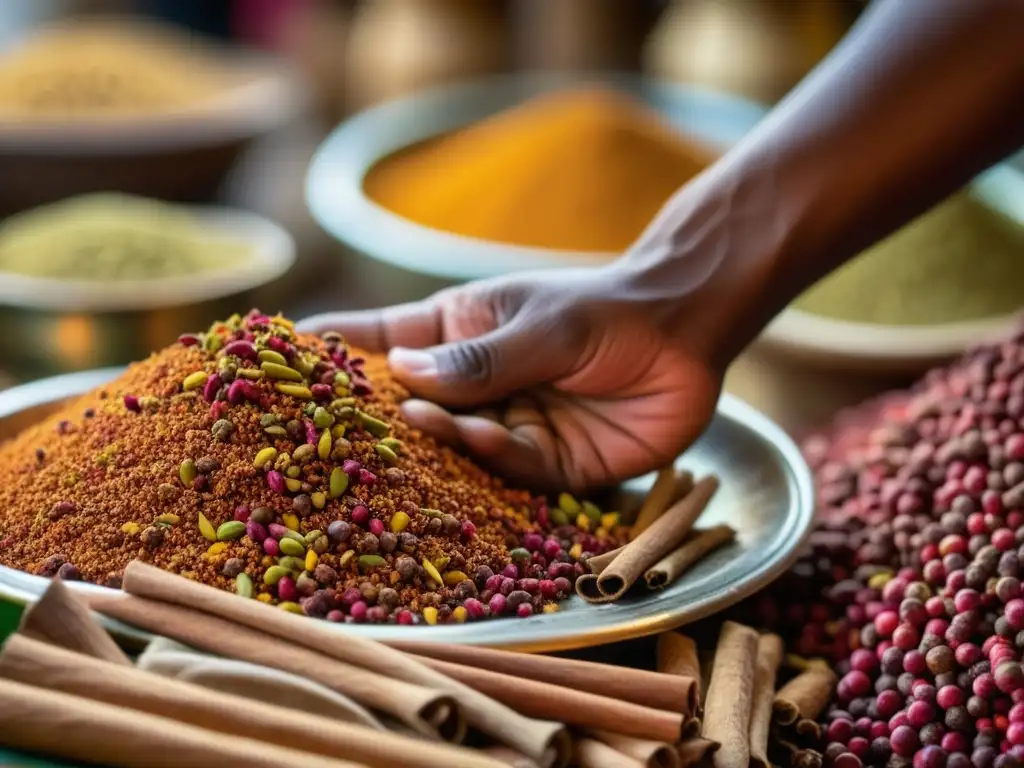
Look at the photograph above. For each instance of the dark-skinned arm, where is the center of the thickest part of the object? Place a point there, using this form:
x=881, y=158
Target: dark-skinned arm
x=921, y=96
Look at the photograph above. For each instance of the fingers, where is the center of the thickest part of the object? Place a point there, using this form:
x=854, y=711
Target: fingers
x=478, y=370
x=413, y=325
x=523, y=453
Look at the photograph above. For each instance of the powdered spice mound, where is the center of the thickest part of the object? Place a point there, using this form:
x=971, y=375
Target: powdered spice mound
x=277, y=465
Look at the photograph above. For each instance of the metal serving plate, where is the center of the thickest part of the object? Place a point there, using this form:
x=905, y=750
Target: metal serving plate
x=766, y=495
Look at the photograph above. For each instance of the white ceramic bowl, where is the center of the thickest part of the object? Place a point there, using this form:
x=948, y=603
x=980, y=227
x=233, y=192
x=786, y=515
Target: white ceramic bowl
x=823, y=342
x=334, y=186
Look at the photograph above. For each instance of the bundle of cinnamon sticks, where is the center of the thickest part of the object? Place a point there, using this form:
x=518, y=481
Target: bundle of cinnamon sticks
x=665, y=544
x=248, y=685
x=756, y=723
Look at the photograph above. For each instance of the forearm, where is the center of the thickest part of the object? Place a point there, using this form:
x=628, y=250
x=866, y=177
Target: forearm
x=920, y=97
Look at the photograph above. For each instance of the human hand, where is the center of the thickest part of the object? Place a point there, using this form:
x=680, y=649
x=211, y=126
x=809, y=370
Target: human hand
x=555, y=379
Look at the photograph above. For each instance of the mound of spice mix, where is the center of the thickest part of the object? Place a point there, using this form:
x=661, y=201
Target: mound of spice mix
x=912, y=585
x=276, y=465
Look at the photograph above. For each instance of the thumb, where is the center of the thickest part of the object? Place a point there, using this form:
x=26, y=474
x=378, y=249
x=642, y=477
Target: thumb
x=475, y=371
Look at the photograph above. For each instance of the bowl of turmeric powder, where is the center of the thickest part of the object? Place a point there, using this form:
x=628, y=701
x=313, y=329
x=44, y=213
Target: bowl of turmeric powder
x=517, y=172
x=91, y=104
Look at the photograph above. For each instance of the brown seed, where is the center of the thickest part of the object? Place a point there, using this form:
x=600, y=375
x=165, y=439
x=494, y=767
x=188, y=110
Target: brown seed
x=153, y=537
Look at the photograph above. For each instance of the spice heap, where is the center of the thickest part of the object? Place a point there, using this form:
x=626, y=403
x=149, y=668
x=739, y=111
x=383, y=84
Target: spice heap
x=114, y=237
x=253, y=458
x=958, y=262
x=105, y=68
x=912, y=586
x=549, y=173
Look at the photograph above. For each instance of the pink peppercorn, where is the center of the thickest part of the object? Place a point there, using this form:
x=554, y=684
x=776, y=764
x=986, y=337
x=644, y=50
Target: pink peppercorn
x=366, y=477
x=931, y=756
x=562, y=585
x=552, y=548
x=967, y=654
x=904, y=741
x=888, y=703
x=900, y=718
x=532, y=541
x=351, y=596
x=497, y=605
x=914, y=662
x=277, y=530
x=351, y=468
x=493, y=582
x=936, y=627
x=335, y=616
x=246, y=350
x=376, y=526
x=241, y=513
x=1004, y=539
x=474, y=608
x=404, y=617
x=976, y=522
x=529, y=585
x=984, y=685
x=507, y=586
x=879, y=729
x=966, y=600
x=131, y=402
x=856, y=683
x=858, y=745
x=286, y=590
x=468, y=529
x=919, y=714
x=548, y=590
x=188, y=340
x=1015, y=733
x=954, y=741
x=510, y=571
x=949, y=696
x=1016, y=714
x=1014, y=611
x=360, y=514
x=271, y=547
x=935, y=607
x=886, y=622
x=358, y=611
x=321, y=392
x=847, y=760
x=840, y=731
x=863, y=660
x=906, y=637
x=524, y=611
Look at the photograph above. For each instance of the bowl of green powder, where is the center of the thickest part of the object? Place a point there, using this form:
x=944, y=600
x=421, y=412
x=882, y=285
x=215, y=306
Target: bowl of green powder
x=104, y=279
x=952, y=278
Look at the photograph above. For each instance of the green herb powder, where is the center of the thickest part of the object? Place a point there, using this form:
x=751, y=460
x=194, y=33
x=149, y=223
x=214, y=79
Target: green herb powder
x=113, y=237
x=961, y=261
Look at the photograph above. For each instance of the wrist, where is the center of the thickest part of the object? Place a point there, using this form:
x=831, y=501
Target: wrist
x=714, y=266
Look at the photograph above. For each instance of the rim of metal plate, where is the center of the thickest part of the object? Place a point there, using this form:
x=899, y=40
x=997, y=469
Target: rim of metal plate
x=718, y=587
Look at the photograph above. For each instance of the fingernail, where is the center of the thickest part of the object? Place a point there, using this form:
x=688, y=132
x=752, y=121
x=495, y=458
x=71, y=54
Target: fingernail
x=412, y=362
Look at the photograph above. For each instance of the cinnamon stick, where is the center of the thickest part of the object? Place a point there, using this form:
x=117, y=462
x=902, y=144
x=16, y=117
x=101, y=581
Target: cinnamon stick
x=545, y=742
x=59, y=619
x=694, y=548
x=670, y=485
x=691, y=729
x=727, y=708
x=650, y=754
x=431, y=713
x=657, y=541
x=598, y=563
x=806, y=695
x=24, y=660
x=650, y=689
x=509, y=757
x=586, y=587
x=75, y=728
x=586, y=710
x=693, y=751
x=677, y=655
x=769, y=656
x=591, y=753
x=252, y=681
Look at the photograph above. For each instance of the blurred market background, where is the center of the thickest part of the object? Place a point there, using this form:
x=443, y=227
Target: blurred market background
x=225, y=104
